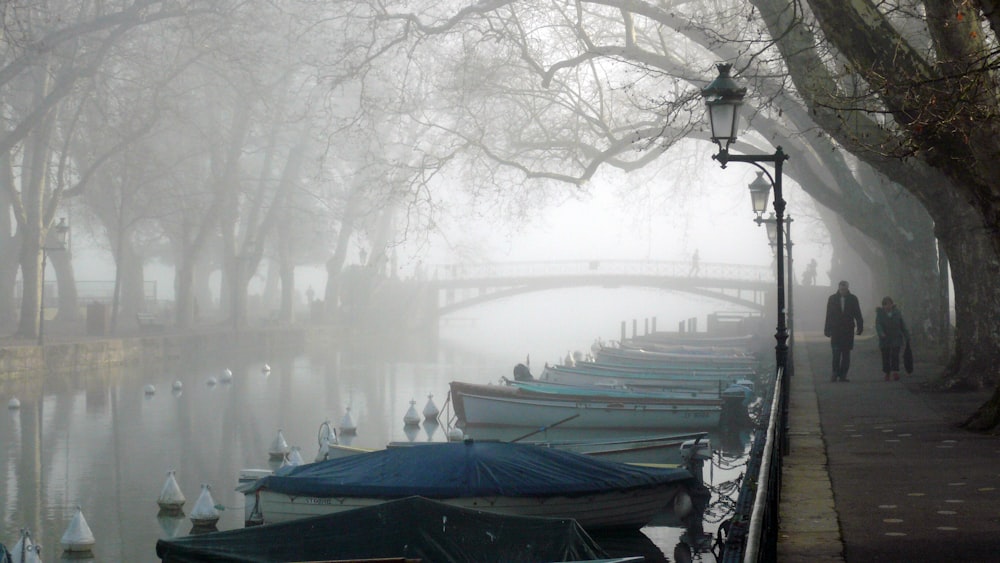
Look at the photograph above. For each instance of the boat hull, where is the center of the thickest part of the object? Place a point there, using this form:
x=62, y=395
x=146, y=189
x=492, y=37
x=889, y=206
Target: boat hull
x=492, y=405
x=596, y=377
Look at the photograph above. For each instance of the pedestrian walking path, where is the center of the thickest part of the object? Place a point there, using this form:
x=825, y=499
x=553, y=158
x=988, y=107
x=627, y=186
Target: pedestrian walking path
x=880, y=471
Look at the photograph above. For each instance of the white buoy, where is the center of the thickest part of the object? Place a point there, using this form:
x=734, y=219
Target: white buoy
x=265, y=369
x=294, y=458
x=78, y=536
x=178, y=385
x=171, y=498
x=170, y=524
x=211, y=381
x=14, y=403
x=25, y=550
x=150, y=389
x=204, y=513
x=279, y=447
x=430, y=409
x=227, y=375
x=456, y=435
x=347, y=423
x=411, y=418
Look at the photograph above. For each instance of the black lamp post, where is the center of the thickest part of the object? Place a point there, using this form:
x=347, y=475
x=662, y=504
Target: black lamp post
x=61, y=233
x=724, y=98
x=772, y=235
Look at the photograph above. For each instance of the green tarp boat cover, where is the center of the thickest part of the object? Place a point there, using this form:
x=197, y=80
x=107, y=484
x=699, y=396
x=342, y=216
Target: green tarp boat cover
x=413, y=527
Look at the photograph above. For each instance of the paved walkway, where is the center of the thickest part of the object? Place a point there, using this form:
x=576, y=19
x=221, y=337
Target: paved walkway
x=879, y=471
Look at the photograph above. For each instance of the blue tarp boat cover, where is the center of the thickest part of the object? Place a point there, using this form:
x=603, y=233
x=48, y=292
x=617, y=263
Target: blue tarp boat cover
x=414, y=528
x=465, y=469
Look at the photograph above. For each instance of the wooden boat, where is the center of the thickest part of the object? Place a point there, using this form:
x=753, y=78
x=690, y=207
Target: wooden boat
x=661, y=449
x=665, y=393
x=505, y=406
x=631, y=356
x=500, y=477
x=639, y=379
x=410, y=529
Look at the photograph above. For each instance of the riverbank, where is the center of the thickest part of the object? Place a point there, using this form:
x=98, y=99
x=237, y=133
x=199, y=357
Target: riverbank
x=66, y=350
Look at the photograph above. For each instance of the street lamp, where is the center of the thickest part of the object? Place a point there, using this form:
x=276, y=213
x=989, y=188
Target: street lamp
x=771, y=224
x=61, y=232
x=724, y=97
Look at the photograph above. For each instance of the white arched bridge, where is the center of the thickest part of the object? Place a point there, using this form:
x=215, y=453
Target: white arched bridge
x=458, y=286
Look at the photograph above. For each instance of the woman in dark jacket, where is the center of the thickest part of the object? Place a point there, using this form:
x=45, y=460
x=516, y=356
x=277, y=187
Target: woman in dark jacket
x=892, y=336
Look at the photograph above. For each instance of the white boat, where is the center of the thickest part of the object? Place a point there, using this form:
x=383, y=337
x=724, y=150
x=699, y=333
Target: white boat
x=599, y=375
x=499, y=477
x=638, y=356
x=505, y=406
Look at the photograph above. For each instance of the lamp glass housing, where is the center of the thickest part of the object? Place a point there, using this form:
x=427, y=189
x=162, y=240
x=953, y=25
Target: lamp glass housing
x=724, y=98
x=771, y=224
x=760, y=191
x=61, y=233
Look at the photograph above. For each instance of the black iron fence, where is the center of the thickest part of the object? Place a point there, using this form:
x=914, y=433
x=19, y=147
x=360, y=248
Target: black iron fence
x=752, y=533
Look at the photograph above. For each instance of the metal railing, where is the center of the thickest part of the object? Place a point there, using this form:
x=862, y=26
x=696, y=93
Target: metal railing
x=592, y=267
x=753, y=530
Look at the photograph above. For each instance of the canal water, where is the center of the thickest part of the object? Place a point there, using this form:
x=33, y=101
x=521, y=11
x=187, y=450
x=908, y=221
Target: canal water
x=101, y=441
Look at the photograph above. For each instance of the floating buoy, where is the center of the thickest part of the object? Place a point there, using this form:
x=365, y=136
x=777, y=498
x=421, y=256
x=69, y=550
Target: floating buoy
x=204, y=514
x=78, y=536
x=170, y=524
x=326, y=437
x=150, y=389
x=178, y=385
x=279, y=447
x=211, y=381
x=347, y=423
x=14, y=403
x=265, y=369
x=227, y=375
x=456, y=435
x=25, y=550
x=430, y=427
x=411, y=431
x=411, y=418
x=294, y=458
x=430, y=409
x=171, y=498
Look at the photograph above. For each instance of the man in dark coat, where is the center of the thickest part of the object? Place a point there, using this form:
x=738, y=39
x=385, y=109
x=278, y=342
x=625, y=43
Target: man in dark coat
x=843, y=316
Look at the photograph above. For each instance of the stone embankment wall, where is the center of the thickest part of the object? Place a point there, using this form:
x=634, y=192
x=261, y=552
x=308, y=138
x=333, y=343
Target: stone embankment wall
x=68, y=356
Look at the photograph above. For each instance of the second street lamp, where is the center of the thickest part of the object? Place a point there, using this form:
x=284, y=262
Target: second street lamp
x=60, y=232
x=772, y=235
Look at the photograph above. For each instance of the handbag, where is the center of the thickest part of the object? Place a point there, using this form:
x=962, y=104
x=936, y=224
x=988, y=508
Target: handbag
x=908, y=358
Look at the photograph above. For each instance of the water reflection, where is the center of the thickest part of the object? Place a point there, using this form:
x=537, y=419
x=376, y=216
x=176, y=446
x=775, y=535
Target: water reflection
x=95, y=439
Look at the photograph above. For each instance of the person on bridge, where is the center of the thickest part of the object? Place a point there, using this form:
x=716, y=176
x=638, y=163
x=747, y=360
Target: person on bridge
x=843, y=315
x=892, y=335
x=694, y=264
x=809, y=276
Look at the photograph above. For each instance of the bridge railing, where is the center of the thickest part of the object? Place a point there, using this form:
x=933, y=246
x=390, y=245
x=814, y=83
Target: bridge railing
x=591, y=267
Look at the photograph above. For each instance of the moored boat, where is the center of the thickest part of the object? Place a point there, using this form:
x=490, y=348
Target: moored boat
x=412, y=528
x=638, y=356
x=501, y=477
x=593, y=374
x=505, y=406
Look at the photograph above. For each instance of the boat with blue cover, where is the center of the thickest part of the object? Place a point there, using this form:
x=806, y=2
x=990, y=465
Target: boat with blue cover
x=501, y=477
x=412, y=528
